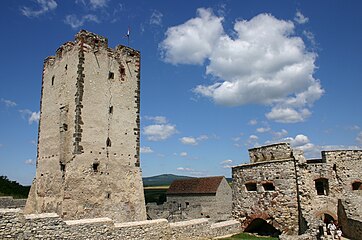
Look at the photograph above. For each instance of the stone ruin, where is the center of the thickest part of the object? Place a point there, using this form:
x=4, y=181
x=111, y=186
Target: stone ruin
x=280, y=192
x=88, y=181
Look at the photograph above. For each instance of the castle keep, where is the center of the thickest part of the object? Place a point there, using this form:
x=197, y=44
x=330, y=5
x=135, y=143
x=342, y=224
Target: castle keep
x=88, y=143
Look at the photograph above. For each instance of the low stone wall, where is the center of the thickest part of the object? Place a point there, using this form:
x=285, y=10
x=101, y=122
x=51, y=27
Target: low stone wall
x=15, y=225
x=10, y=202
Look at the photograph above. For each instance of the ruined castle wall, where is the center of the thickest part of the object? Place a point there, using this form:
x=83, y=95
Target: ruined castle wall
x=223, y=206
x=271, y=152
x=350, y=216
x=15, y=225
x=88, y=147
x=340, y=169
x=278, y=206
x=10, y=202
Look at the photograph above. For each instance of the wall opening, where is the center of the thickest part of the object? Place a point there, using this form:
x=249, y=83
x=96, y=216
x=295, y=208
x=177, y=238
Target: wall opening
x=62, y=167
x=357, y=185
x=95, y=167
x=122, y=71
x=250, y=186
x=108, y=142
x=53, y=80
x=108, y=195
x=321, y=185
x=187, y=204
x=262, y=228
x=65, y=127
x=268, y=186
x=110, y=111
x=111, y=75
x=66, y=66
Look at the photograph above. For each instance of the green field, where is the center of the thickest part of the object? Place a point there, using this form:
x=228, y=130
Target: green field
x=248, y=236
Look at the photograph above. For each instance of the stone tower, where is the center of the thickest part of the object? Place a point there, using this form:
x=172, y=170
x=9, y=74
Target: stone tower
x=88, y=143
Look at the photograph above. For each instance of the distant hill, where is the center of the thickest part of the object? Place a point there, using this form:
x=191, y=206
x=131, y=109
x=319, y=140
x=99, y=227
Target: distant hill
x=162, y=180
x=12, y=188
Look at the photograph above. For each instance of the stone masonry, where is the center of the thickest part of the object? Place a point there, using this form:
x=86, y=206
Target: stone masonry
x=293, y=195
x=88, y=162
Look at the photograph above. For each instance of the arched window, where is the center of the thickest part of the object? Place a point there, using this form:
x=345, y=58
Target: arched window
x=321, y=185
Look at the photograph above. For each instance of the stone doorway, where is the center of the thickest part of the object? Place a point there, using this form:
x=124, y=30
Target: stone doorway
x=262, y=228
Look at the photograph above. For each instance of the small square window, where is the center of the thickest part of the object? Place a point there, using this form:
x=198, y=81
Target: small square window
x=111, y=75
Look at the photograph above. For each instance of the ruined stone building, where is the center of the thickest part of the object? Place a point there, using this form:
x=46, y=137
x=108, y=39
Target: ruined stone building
x=208, y=197
x=281, y=192
x=88, y=143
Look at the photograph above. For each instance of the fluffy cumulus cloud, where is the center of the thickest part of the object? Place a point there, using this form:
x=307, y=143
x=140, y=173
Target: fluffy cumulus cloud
x=43, y=6
x=263, y=62
x=158, y=132
x=193, y=41
x=31, y=116
x=76, y=22
x=146, y=150
x=226, y=163
x=183, y=154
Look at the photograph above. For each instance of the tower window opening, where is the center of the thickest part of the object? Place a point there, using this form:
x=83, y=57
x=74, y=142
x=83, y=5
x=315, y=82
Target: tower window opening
x=53, y=80
x=321, y=185
x=357, y=185
x=95, y=167
x=66, y=66
x=122, y=71
x=62, y=167
x=108, y=142
x=268, y=186
x=108, y=196
x=65, y=127
x=111, y=75
x=110, y=109
x=250, y=186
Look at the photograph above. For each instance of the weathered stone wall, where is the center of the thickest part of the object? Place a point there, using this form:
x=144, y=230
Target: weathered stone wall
x=333, y=176
x=271, y=152
x=10, y=202
x=15, y=225
x=88, y=144
x=350, y=216
x=279, y=206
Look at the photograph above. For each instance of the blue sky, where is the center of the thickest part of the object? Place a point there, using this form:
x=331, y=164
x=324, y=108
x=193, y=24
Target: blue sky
x=217, y=77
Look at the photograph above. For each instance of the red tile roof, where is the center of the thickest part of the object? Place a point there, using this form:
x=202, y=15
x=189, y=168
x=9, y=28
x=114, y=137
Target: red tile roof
x=207, y=185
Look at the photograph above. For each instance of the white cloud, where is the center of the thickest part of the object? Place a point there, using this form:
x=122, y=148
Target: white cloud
x=158, y=132
x=157, y=119
x=30, y=162
x=146, y=150
x=263, y=129
x=228, y=161
x=8, y=103
x=300, y=18
x=193, y=140
x=359, y=138
x=288, y=115
x=183, y=169
x=280, y=134
x=264, y=63
x=253, y=137
x=75, y=22
x=94, y=4
x=31, y=116
x=193, y=41
x=253, y=122
x=188, y=140
x=310, y=36
x=156, y=18
x=183, y=154
x=43, y=6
